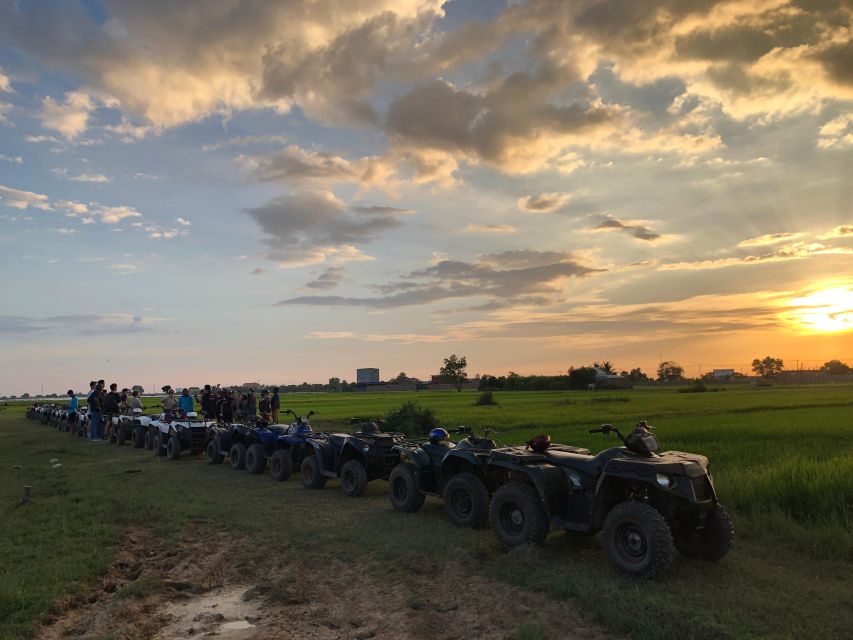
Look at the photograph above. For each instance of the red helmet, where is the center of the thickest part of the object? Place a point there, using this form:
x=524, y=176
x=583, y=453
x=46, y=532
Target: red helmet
x=539, y=443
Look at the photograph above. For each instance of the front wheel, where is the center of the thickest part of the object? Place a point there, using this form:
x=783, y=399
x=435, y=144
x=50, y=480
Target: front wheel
x=255, y=460
x=518, y=515
x=158, y=445
x=403, y=488
x=711, y=542
x=138, y=438
x=121, y=436
x=311, y=476
x=637, y=539
x=214, y=453
x=281, y=465
x=353, y=478
x=237, y=456
x=173, y=448
x=466, y=501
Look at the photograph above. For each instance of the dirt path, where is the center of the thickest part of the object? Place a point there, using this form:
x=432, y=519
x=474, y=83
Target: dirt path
x=208, y=586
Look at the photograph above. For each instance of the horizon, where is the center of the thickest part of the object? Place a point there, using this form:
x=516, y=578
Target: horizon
x=224, y=191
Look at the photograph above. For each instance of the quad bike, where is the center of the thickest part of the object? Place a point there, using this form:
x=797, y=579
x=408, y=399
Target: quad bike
x=78, y=423
x=292, y=446
x=235, y=440
x=451, y=471
x=133, y=426
x=644, y=502
x=356, y=458
x=173, y=434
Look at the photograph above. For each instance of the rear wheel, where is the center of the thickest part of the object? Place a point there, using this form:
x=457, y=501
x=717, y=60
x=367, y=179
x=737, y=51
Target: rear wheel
x=173, y=448
x=281, y=465
x=353, y=478
x=121, y=436
x=255, y=460
x=637, y=539
x=403, y=488
x=518, y=516
x=466, y=501
x=214, y=452
x=138, y=438
x=237, y=456
x=713, y=541
x=311, y=476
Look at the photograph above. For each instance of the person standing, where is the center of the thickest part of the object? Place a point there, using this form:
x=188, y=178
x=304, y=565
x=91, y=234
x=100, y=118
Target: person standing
x=275, y=405
x=136, y=401
x=264, y=405
x=185, y=402
x=170, y=403
x=208, y=404
x=251, y=404
x=226, y=406
x=94, y=402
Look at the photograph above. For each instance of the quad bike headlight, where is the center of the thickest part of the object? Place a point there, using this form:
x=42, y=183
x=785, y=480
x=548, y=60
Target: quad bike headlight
x=664, y=480
x=366, y=448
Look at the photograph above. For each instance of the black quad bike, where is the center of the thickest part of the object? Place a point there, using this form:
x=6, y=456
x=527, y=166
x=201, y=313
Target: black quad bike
x=356, y=458
x=291, y=447
x=454, y=472
x=642, y=501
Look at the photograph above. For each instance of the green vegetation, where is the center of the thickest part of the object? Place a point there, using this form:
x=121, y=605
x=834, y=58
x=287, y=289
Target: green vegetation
x=782, y=459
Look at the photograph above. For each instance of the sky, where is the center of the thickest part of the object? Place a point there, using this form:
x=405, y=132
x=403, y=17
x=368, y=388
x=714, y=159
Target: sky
x=222, y=191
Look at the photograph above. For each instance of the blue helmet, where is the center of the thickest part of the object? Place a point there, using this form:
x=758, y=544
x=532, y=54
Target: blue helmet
x=438, y=435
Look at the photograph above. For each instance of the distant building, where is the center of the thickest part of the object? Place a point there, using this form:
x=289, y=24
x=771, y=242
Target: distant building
x=722, y=373
x=604, y=380
x=367, y=376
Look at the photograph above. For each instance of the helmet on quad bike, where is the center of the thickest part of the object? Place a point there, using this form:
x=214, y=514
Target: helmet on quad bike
x=369, y=427
x=539, y=443
x=438, y=435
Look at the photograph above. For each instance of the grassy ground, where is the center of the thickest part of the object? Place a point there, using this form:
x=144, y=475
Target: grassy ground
x=782, y=460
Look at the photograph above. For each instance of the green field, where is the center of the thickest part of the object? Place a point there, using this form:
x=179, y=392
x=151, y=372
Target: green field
x=782, y=460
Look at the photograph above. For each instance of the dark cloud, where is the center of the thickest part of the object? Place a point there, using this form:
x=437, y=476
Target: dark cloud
x=306, y=227
x=328, y=279
x=293, y=164
x=257, y=271
x=382, y=210
x=838, y=61
x=510, y=276
x=543, y=203
x=638, y=231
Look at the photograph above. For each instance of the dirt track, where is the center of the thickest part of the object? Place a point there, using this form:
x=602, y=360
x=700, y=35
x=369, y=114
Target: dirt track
x=206, y=586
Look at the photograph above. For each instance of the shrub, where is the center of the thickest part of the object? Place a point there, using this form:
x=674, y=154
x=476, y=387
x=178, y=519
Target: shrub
x=696, y=387
x=486, y=399
x=411, y=419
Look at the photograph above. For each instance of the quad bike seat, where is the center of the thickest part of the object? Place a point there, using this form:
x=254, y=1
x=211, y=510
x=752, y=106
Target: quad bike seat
x=437, y=449
x=583, y=462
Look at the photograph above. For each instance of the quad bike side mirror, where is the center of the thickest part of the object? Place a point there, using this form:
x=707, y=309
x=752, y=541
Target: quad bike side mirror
x=311, y=413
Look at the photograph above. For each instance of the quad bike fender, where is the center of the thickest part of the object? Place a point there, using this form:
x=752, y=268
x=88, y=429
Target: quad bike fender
x=541, y=476
x=460, y=461
x=350, y=451
x=415, y=456
x=320, y=451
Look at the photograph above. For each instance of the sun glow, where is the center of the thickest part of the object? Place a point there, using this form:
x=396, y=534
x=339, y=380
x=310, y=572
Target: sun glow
x=824, y=311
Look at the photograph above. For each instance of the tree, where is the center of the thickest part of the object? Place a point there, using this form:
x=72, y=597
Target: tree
x=334, y=384
x=836, y=368
x=670, y=371
x=25, y=396
x=606, y=366
x=637, y=375
x=581, y=377
x=768, y=367
x=454, y=370
x=138, y=387
x=401, y=378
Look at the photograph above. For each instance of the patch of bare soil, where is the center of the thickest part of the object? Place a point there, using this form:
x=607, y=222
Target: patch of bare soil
x=205, y=585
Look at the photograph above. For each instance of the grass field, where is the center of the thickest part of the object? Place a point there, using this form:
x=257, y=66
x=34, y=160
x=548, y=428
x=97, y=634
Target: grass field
x=782, y=460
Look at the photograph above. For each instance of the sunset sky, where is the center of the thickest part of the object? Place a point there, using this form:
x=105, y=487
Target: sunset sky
x=285, y=190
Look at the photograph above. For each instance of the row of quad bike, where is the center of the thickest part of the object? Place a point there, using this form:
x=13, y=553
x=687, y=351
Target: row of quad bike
x=645, y=502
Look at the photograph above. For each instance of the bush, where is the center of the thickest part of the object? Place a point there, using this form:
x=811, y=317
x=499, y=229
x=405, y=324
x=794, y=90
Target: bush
x=485, y=400
x=411, y=419
x=696, y=387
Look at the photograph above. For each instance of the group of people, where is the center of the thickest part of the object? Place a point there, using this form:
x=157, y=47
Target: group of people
x=227, y=405
x=217, y=403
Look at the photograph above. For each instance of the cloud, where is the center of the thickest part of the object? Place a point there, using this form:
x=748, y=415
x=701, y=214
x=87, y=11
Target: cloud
x=308, y=227
x=513, y=278
x=183, y=222
x=39, y=139
x=65, y=231
x=124, y=268
x=768, y=239
x=74, y=325
x=293, y=164
x=543, y=203
x=11, y=159
x=792, y=251
x=71, y=117
x=397, y=338
x=837, y=133
x=257, y=271
x=489, y=228
x=842, y=231
x=639, y=231
x=23, y=199
x=245, y=141
x=128, y=131
x=5, y=83
x=96, y=178
x=5, y=108
x=328, y=279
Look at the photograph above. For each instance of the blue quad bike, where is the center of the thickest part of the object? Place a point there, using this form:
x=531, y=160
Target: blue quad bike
x=644, y=502
x=356, y=458
x=243, y=443
x=292, y=446
x=452, y=471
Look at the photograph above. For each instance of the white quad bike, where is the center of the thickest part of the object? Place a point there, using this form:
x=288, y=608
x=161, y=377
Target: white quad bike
x=170, y=434
x=131, y=426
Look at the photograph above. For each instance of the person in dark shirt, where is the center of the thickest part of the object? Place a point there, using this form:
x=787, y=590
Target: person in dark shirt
x=208, y=404
x=275, y=405
x=94, y=402
x=251, y=403
x=264, y=405
x=226, y=406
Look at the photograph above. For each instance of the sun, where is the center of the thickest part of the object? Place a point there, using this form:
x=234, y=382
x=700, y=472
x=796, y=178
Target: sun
x=824, y=311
